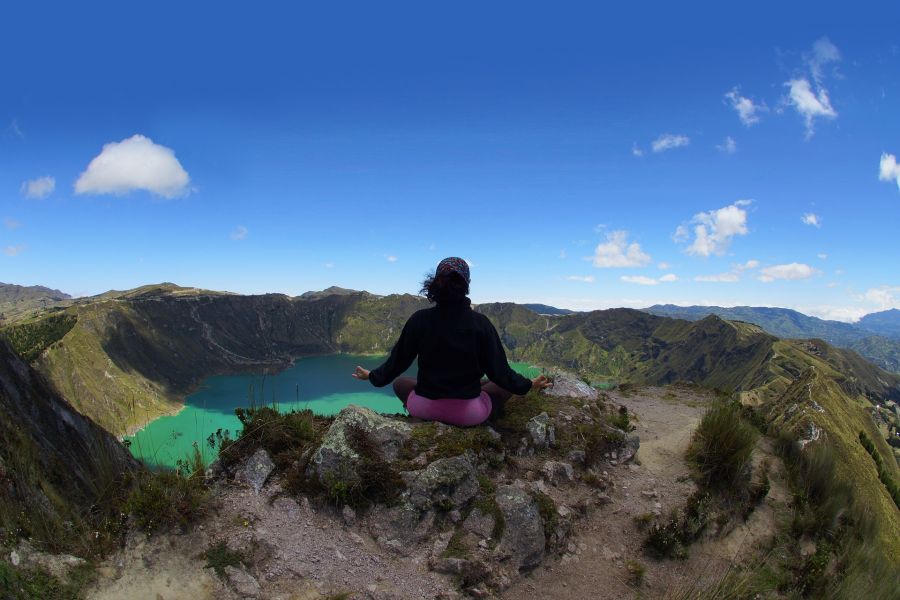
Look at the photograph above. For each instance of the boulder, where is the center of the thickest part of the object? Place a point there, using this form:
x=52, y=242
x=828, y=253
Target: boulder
x=255, y=470
x=523, y=537
x=567, y=385
x=447, y=484
x=336, y=457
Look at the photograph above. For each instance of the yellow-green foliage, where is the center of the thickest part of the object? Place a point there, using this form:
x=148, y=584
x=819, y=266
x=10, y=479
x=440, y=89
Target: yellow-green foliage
x=120, y=400
x=31, y=338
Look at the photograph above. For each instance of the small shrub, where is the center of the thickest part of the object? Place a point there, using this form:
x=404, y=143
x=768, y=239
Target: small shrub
x=28, y=584
x=636, y=572
x=721, y=448
x=164, y=499
x=218, y=556
x=643, y=520
x=621, y=420
x=664, y=541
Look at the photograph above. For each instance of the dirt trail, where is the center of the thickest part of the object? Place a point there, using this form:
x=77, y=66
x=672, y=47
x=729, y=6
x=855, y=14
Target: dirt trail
x=595, y=565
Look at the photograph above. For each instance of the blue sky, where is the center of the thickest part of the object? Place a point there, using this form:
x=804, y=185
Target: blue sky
x=575, y=154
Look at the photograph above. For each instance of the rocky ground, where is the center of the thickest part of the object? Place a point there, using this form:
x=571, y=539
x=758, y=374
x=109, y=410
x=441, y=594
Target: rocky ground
x=535, y=511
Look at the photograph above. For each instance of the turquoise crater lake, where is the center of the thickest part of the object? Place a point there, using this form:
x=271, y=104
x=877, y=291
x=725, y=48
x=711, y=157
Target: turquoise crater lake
x=320, y=383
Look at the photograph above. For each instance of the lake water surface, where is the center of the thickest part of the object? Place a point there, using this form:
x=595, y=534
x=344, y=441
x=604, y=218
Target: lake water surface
x=320, y=383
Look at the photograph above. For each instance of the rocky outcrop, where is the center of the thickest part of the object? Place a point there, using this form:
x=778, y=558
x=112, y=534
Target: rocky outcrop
x=255, y=470
x=566, y=385
x=447, y=484
x=336, y=456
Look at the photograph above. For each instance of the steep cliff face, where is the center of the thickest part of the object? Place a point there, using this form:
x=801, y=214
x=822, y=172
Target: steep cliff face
x=56, y=466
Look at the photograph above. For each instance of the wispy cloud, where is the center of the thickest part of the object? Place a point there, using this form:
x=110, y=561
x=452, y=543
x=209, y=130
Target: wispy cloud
x=747, y=110
x=329, y=265
x=239, y=233
x=812, y=219
x=888, y=169
x=729, y=146
x=644, y=280
x=135, y=163
x=11, y=224
x=583, y=279
x=822, y=256
x=391, y=258
x=13, y=250
x=616, y=252
x=714, y=230
x=38, y=189
x=14, y=130
x=636, y=150
x=732, y=276
x=811, y=100
x=787, y=272
x=667, y=141
x=810, y=105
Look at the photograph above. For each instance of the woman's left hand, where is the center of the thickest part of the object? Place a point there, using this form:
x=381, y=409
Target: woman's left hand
x=360, y=373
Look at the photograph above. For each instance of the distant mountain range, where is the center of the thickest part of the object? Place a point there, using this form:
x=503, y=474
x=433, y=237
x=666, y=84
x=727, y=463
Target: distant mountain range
x=18, y=301
x=543, y=309
x=876, y=336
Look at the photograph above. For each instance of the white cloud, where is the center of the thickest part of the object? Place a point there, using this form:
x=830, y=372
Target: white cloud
x=822, y=256
x=747, y=110
x=392, y=258
x=823, y=53
x=812, y=219
x=729, y=277
x=663, y=266
x=643, y=280
x=329, y=265
x=667, y=141
x=13, y=250
x=11, y=224
x=810, y=105
x=789, y=272
x=714, y=230
x=38, y=189
x=616, y=252
x=135, y=163
x=639, y=279
x=883, y=297
x=888, y=169
x=847, y=314
x=636, y=150
x=584, y=279
x=729, y=146
x=239, y=233
x=732, y=276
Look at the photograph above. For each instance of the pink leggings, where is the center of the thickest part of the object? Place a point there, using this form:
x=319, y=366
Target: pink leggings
x=453, y=411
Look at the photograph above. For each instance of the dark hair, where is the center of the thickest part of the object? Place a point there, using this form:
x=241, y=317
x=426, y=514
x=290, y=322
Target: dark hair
x=446, y=288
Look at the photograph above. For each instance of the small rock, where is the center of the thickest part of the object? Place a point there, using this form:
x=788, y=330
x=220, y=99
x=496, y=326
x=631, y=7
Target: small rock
x=455, y=516
x=256, y=470
x=15, y=559
x=541, y=431
x=558, y=472
x=349, y=516
x=479, y=523
x=576, y=456
x=650, y=494
x=242, y=582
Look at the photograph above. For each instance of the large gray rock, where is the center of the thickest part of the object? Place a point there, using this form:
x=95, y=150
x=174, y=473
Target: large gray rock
x=336, y=457
x=479, y=523
x=557, y=472
x=446, y=484
x=567, y=385
x=255, y=470
x=523, y=535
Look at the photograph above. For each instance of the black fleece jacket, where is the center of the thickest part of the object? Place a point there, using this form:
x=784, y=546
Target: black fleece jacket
x=455, y=346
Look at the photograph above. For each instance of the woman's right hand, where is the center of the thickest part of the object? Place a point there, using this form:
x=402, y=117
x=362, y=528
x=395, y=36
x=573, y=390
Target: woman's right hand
x=360, y=373
x=540, y=382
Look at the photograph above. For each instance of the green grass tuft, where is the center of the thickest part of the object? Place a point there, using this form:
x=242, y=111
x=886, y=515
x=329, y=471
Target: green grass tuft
x=219, y=555
x=721, y=447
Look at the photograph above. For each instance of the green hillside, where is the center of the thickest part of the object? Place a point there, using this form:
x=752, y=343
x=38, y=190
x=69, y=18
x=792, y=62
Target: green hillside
x=18, y=302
